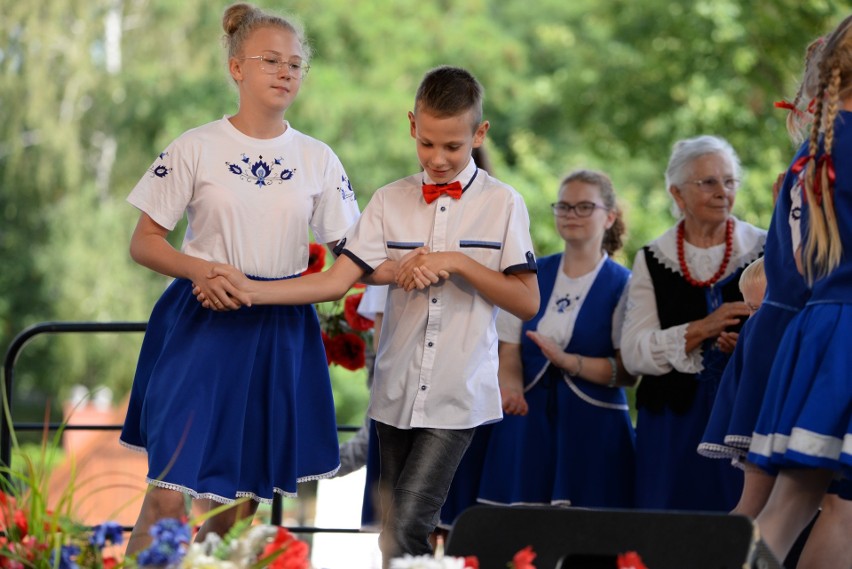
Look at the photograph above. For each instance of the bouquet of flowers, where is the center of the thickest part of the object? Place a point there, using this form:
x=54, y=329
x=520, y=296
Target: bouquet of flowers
x=345, y=333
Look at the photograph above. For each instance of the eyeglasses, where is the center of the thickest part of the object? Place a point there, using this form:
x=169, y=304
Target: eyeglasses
x=582, y=209
x=709, y=184
x=273, y=65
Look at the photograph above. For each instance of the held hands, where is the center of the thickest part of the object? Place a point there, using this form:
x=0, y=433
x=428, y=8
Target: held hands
x=223, y=288
x=420, y=269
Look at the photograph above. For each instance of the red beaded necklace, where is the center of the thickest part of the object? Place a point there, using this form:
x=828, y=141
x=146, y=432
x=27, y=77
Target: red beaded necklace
x=729, y=247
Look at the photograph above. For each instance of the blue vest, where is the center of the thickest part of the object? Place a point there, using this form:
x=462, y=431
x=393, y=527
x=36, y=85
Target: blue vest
x=592, y=335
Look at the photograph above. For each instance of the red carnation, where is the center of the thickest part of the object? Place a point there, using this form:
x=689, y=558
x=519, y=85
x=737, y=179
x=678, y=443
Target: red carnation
x=350, y=312
x=347, y=350
x=630, y=560
x=316, y=259
x=471, y=562
x=290, y=552
x=524, y=558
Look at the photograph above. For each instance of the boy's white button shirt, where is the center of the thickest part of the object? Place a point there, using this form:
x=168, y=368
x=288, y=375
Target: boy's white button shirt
x=437, y=360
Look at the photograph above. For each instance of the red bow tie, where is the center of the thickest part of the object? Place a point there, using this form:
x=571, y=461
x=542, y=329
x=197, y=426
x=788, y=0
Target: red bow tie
x=431, y=192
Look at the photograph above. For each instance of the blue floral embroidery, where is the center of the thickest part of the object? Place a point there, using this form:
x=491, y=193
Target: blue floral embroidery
x=345, y=188
x=566, y=303
x=160, y=170
x=259, y=172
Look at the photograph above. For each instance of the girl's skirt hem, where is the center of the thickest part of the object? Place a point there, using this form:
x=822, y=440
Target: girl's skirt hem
x=239, y=495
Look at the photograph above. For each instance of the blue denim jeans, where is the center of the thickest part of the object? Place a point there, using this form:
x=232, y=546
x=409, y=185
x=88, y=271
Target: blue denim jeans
x=417, y=467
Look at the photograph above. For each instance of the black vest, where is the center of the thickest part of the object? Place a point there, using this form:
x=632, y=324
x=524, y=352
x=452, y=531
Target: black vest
x=678, y=302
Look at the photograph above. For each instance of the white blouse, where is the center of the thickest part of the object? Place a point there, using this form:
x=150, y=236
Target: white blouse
x=646, y=348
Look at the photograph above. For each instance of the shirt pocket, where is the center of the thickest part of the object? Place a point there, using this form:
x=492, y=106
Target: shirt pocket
x=483, y=251
x=398, y=249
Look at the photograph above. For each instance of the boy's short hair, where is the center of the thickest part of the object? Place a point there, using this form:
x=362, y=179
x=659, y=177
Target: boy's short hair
x=447, y=91
x=753, y=274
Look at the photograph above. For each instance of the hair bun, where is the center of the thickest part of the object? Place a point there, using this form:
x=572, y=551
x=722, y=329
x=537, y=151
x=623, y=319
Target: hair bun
x=234, y=17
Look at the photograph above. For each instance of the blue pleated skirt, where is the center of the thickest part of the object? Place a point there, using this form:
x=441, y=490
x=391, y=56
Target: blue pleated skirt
x=806, y=417
x=670, y=474
x=232, y=404
x=743, y=384
x=575, y=447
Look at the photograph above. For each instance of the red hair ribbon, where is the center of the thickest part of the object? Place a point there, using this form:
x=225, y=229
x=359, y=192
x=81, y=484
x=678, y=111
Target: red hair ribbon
x=826, y=162
x=783, y=104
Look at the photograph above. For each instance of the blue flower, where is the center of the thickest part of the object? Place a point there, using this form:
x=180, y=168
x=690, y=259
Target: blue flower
x=286, y=174
x=171, y=531
x=245, y=159
x=106, y=532
x=235, y=169
x=260, y=169
x=66, y=553
x=158, y=555
x=161, y=171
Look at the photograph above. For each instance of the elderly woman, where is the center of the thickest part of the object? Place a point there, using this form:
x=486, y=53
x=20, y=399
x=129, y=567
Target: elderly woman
x=683, y=308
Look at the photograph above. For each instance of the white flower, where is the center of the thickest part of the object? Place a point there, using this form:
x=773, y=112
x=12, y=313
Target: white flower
x=427, y=562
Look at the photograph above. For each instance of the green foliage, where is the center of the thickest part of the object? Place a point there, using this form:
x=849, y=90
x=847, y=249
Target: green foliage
x=91, y=91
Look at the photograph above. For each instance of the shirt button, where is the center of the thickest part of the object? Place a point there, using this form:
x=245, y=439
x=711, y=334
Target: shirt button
x=434, y=300
x=422, y=388
x=443, y=208
x=430, y=344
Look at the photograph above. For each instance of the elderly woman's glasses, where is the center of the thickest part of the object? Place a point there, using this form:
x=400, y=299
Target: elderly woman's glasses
x=273, y=65
x=710, y=184
x=581, y=209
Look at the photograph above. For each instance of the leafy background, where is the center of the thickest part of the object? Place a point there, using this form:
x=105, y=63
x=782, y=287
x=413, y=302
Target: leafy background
x=92, y=90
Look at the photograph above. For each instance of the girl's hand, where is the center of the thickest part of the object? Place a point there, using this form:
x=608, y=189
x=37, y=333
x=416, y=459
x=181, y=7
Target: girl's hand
x=218, y=291
x=551, y=350
x=422, y=270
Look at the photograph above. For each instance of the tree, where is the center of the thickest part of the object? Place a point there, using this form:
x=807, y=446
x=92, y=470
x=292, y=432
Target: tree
x=91, y=92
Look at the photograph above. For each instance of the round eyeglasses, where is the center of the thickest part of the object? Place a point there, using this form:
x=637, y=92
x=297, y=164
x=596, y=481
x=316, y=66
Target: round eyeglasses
x=710, y=184
x=581, y=209
x=273, y=65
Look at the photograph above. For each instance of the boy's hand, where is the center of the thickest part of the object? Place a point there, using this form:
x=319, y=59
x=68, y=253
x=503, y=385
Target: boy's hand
x=514, y=402
x=223, y=288
x=423, y=270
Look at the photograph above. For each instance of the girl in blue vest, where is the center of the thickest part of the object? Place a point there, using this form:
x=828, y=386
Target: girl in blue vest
x=566, y=437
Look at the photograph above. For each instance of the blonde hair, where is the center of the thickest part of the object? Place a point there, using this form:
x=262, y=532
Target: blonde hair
x=753, y=274
x=240, y=20
x=824, y=249
x=800, y=116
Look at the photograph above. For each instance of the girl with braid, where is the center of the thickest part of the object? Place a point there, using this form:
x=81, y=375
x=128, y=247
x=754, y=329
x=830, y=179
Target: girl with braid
x=805, y=424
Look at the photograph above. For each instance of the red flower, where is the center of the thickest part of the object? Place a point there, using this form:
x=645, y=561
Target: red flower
x=110, y=562
x=471, y=562
x=630, y=560
x=524, y=558
x=350, y=312
x=289, y=552
x=316, y=259
x=347, y=350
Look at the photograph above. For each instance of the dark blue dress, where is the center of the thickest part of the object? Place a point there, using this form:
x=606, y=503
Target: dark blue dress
x=575, y=446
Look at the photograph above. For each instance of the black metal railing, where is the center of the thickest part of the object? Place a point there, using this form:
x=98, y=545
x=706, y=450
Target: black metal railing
x=6, y=423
